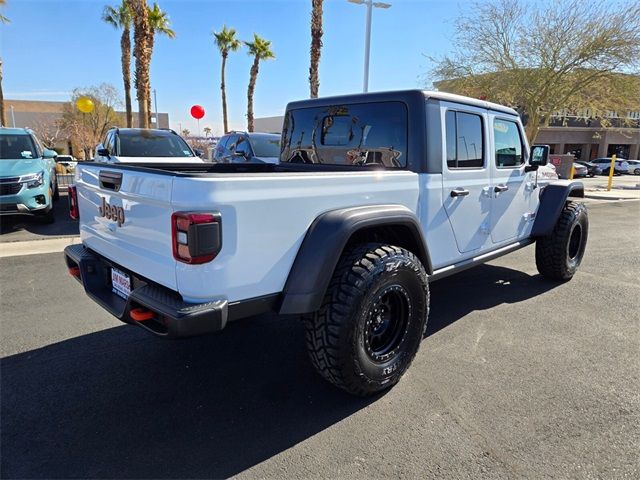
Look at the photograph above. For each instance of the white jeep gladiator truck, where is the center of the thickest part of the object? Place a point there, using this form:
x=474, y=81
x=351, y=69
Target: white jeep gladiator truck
x=375, y=196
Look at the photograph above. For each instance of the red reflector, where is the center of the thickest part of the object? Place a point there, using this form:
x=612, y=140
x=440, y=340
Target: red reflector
x=73, y=202
x=141, y=314
x=75, y=271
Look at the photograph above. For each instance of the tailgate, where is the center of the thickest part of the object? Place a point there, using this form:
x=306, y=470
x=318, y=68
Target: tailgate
x=125, y=215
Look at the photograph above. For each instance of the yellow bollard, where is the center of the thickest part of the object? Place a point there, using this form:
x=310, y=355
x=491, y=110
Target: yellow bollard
x=573, y=172
x=611, y=170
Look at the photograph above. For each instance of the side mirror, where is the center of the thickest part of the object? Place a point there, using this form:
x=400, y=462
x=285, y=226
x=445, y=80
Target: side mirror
x=240, y=153
x=198, y=152
x=103, y=152
x=539, y=155
x=49, y=153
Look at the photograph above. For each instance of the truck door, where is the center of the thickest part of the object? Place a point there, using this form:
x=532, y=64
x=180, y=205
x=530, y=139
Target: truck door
x=512, y=187
x=466, y=180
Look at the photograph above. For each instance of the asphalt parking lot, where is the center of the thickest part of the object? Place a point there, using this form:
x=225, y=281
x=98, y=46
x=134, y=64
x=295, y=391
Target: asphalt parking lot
x=19, y=228
x=517, y=378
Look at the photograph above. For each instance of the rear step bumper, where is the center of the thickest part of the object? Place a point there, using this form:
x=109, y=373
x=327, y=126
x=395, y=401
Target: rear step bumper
x=157, y=309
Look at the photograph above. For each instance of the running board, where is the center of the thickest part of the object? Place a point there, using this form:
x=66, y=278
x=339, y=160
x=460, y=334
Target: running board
x=479, y=260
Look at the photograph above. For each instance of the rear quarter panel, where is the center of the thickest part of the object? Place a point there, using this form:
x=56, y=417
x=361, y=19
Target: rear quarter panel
x=265, y=218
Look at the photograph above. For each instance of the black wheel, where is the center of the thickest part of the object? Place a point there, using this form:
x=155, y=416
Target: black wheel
x=558, y=255
x=636, y=171
x=56, y=191
x=372, y=319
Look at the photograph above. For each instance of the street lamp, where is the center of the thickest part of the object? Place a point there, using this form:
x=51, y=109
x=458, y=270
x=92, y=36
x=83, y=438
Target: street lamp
x=367, y=36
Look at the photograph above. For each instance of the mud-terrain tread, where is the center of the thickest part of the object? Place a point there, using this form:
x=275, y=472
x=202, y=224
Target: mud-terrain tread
x=551, y=249
x=322, y=328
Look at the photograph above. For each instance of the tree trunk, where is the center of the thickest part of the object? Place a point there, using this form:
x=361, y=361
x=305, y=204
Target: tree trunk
x=316, y=47
x=3, y=116
x=532, y=128
x=148, y=86
x=142, y=34
x=224, y=94
x=253, y=75
x=125, y=47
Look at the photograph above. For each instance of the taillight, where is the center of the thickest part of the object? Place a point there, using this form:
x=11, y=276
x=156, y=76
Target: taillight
x=73, y=202
x=196, y=236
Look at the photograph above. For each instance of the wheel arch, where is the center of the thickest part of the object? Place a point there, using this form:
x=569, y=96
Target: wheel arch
x=330, y=234
x=552, y=200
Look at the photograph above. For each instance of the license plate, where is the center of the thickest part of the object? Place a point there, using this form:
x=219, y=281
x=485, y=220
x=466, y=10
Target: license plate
x=120, y=283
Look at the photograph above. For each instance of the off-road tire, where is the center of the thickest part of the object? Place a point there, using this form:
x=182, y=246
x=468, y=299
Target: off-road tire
x=559, y=254
x=339, y=335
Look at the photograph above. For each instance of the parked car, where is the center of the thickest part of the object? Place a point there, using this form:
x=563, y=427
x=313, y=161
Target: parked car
x=579, y=170
x=634, y=167
x=362, y=212
x=243, y=147
x=28, y=183
x=65, y=164
x=620, y=167
x=592, y=168
x=140, y=145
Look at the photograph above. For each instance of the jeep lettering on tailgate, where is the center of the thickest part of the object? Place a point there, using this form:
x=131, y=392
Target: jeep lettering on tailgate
x=111, y=212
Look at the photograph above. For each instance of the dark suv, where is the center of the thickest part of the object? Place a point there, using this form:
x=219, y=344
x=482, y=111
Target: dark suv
x=243, y=147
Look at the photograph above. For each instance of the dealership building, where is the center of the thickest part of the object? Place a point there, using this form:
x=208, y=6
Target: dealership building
x=44, y=116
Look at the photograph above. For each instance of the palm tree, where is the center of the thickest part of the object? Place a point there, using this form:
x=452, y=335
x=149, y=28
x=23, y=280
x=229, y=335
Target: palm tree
x=159, y=23
x=316, y=46
x=120, y=17
x=226, y=42
x=3, y=119
x=185, y=132
x=142, y=36
x=207, y=131
x=260, y=49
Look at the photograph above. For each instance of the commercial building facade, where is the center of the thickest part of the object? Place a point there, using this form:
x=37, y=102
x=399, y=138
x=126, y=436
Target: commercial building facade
x=44, y=116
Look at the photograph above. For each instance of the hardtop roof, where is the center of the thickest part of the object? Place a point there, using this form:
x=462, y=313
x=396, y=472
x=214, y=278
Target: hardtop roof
x=400, y=95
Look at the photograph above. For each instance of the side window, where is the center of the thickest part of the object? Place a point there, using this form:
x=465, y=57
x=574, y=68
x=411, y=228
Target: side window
x=220, y=148
x=243, y=145
x=109, y=143
x=231, y=144
x=508, y=144
x=38, y=145
x=465, y=143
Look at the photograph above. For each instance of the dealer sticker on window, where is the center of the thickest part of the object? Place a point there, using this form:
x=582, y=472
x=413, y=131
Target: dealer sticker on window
x=120, y=283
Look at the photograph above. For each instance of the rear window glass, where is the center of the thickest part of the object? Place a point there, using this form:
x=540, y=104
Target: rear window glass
x=152, y=144
x=356, y=134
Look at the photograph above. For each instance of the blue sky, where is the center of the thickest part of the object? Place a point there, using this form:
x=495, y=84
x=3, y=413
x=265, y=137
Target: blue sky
x=53, y=46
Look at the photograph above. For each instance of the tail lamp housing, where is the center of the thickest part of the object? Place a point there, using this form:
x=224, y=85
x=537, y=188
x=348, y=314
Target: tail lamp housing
x=73, y=202
x=196, y=236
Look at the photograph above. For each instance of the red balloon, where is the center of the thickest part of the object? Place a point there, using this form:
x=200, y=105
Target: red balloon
x=197, y=112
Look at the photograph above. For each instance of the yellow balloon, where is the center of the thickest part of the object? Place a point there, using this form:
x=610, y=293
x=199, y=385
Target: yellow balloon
x=84, y=104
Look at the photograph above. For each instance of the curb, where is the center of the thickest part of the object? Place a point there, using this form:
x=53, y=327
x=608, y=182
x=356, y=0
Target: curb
x=34, y=247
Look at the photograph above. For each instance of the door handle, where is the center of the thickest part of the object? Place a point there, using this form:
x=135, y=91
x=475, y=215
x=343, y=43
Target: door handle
x=500, y=188
x=459, y=192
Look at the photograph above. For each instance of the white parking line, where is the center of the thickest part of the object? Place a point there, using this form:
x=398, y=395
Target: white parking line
x=34, y=247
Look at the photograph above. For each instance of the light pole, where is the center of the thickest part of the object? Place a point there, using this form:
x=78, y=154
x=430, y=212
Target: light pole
x=367, y=36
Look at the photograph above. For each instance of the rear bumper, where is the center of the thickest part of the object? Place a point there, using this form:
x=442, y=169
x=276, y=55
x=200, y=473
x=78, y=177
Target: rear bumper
x=172, y=317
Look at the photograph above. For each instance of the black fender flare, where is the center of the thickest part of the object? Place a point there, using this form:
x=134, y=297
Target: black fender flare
x=552, y=200
x=324, y=243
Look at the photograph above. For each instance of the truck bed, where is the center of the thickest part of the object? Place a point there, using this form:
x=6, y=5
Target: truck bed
x=265, y=210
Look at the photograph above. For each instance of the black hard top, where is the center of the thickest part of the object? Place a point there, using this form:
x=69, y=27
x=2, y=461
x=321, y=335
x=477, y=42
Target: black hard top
x=406, y=96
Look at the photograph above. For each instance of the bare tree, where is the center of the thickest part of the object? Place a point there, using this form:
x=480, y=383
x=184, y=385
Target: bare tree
x=49, y=133
x=543, y=57
x=88, y=129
